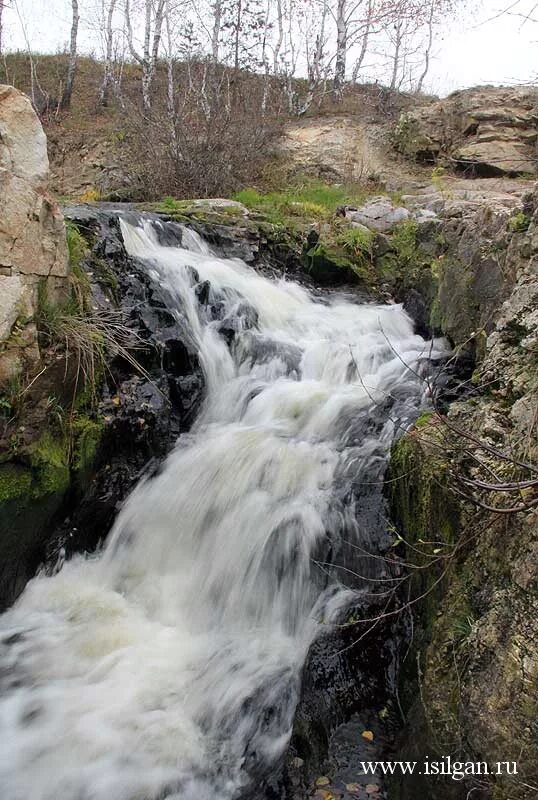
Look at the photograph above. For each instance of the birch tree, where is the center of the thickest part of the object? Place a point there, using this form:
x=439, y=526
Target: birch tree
x=215, y=34
x=365, y=41
x=72, y=63
x=317, y=67
x=153, y=22
x=108, y=35
x=354, y=20
x=342, y=21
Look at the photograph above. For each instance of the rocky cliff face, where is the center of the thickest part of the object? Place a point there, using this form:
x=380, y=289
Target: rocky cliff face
x=485, y=131
x=464, y=488
x=33, y=247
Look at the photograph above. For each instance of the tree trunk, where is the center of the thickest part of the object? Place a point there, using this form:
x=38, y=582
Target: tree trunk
x=364, y=44
x=72, y=65
x=237, y=32
x=341, y=49
x=215, y=35
x=396, y=56
x=280, y=37
x=148, y=60
x=428, y=48
x=109, y=42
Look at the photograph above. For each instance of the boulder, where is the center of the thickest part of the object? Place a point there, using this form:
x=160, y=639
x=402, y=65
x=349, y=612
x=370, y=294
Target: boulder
x=485, y=131
x=32, y=234
x=378, y=214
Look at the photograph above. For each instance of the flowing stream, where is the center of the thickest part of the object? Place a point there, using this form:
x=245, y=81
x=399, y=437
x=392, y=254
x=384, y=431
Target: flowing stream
x=169, y=664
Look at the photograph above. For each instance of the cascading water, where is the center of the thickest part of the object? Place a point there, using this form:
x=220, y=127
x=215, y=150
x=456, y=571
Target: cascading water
x=169, y=665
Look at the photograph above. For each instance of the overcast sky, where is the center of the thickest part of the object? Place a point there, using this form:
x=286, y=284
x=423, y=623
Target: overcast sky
x=475, y=48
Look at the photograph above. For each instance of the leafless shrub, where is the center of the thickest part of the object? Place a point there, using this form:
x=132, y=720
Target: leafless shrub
x=210, y=140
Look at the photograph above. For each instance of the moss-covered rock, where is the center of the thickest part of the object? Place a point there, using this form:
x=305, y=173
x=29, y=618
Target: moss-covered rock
x=35, y=484
x=329, y=264
x=470, y=684
x=424, y=511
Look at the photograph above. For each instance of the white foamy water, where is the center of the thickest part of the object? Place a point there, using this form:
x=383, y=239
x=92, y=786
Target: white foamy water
x=169, y=665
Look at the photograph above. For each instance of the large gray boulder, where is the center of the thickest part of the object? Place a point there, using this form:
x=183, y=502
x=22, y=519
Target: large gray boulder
x=32, y=233
x=378, y=214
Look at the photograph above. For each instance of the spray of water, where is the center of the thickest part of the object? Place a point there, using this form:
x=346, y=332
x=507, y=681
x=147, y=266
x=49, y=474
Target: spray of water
x=169, y=665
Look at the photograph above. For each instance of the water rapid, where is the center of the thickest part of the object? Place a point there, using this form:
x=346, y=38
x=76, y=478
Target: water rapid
x=168, y=665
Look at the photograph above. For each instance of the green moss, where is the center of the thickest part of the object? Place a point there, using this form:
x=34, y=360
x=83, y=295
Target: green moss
x=327, y=265
x=424, y=419
x=422, y=506
x=49, y=457
x=169, y=203
x=15, y=482
x=53, y=464
x=87, y=433
x=435, y=315
x=405, y=262
x=519, y=222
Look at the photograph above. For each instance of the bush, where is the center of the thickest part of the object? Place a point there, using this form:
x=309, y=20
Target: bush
x=213, y=142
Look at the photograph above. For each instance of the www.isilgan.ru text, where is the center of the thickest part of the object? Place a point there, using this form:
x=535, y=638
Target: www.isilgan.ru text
x=457, y=770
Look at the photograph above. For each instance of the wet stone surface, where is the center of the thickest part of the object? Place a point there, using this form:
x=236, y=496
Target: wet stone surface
x=362, y=739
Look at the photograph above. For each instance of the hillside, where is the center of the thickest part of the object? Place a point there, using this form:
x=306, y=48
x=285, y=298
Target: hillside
x=95, y=150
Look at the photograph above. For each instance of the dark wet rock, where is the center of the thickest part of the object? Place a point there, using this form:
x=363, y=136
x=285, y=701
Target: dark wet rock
x=144, y=412
x=202, y=292
x=245, y=318
x=260, y=349
x=348, y=672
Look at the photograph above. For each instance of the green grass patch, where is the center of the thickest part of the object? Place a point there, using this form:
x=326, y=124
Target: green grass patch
x=404, y=242
x=170, y=203
x=76, y=244
x=309, y=199
x=356, y=241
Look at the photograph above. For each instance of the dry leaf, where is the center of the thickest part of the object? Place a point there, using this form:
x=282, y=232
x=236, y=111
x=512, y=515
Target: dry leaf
x=372, y=788
x=368, y=735
x=323, y=781
x=353, y=788
x=323, y=794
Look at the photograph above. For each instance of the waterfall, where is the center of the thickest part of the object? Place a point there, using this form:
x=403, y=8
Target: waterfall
x=168, y=665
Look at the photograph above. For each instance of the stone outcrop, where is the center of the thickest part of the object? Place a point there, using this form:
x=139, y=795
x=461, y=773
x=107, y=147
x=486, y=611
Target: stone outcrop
x=32, y=233
x=477, y=642
x=378, y=214
x=486, y=131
